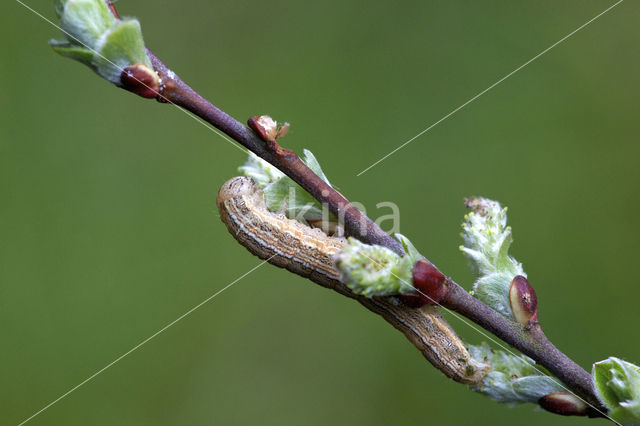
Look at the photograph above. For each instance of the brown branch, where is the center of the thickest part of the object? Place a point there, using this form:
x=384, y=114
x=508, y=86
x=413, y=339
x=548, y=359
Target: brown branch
x=529, y=340
x=356, y=224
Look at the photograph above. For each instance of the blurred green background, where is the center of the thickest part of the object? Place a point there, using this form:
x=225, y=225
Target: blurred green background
x=109, y=228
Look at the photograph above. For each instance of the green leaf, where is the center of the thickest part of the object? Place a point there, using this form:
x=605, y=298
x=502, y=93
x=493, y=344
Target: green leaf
x=96, y=38
x=121, y=47
x=260, y=171
x=85, y=21
x=617, y=384
x=72, y=51
x=296, y=203
x=311, y=162
x=411, y=251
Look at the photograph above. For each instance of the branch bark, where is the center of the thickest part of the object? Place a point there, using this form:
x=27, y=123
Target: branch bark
x=532, y=342
x=529, y=340
x=356, y=224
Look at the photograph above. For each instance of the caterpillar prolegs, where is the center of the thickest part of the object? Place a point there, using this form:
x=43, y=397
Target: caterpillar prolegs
x=309, y=252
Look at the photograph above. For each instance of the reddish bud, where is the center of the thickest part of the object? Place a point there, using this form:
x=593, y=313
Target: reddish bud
x=523, y=300
x=563, y=403
x=141, y=80
x=429, y=282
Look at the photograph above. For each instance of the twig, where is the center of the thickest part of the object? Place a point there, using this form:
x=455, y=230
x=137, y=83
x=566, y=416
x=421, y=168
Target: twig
x=356, y=224
x=529, y=340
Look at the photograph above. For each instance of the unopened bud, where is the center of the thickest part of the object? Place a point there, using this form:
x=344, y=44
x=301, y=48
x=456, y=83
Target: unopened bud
x=267, y=128
x=564, y=404
x=428, y=281
x=141, y=80
x=523, y=300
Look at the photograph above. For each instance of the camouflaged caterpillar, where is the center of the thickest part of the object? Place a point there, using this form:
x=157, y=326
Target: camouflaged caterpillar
x=309, y=252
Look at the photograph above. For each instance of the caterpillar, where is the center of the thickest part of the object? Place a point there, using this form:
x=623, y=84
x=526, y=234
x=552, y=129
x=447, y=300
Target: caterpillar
x=309, y=252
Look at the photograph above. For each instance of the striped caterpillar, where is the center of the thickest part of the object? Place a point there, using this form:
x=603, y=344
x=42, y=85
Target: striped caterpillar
x=309, y=252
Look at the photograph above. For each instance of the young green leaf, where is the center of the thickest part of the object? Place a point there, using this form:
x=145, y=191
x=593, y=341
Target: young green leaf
x=618, y=387
x=96, y=38
x=283, y=194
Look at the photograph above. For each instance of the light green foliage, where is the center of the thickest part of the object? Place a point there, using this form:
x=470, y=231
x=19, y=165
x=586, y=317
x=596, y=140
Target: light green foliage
x=260, y=171
x=513, y=379
x=411, y=251
x=487, y=239
x=97, y=39
x=282, y=193
x=618, y=387
x=86, y=21
x=376, y=270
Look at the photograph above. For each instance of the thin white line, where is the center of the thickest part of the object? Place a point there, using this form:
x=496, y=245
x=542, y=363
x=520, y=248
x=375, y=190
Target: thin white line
x=492, y=339
x=490, y=87
x=142, y=343
x=198, y=119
